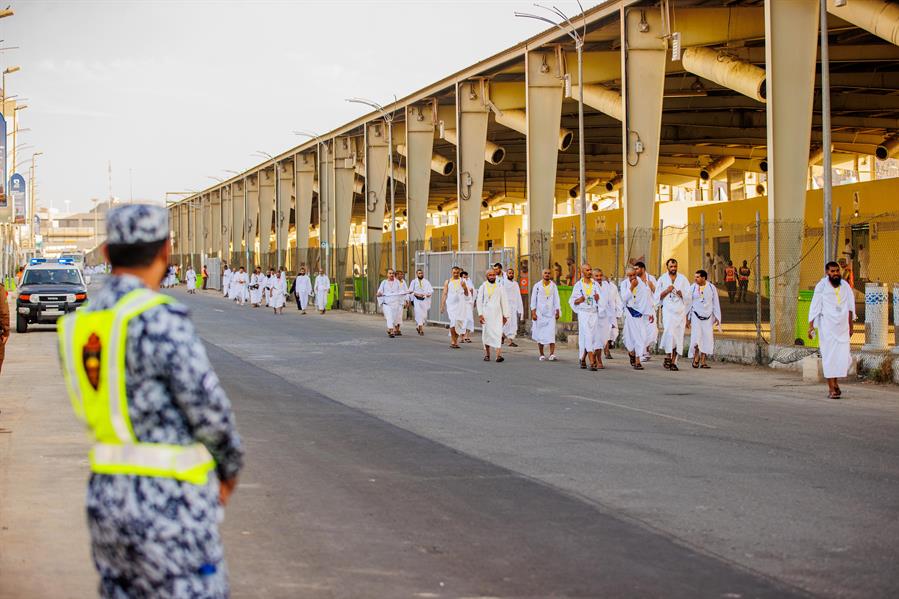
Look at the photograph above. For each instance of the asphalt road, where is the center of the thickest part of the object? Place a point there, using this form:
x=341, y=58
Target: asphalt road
x=398, y=468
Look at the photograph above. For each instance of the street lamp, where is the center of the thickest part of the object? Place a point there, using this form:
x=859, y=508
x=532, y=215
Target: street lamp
x=321, y=233
x=578, y=37
x=388, y=119
x=6, y=72
x=15, y=127
x=33, y=204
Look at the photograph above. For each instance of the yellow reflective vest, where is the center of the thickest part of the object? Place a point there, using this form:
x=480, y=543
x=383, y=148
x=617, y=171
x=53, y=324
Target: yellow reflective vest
x=93, y=347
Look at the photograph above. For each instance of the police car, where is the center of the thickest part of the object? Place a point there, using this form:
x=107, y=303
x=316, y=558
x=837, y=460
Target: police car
x=48, y=290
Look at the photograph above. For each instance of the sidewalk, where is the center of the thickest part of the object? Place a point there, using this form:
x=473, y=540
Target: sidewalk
x=44, y=546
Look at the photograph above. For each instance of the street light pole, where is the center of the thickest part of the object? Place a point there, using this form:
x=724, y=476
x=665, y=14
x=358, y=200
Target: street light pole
x=33, y=203
x=579, y=37
x=388, y=119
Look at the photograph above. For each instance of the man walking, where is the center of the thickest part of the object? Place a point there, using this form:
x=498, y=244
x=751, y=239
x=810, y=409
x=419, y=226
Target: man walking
x=226, y=280
x=730, y=281
x=743, y=279
x=516, y=306
x=302, y=289
x=392, y=297
x=493, y=311
x=545, y=311
x=421, y=291
x=674, y=291
x=652, y=327
x=705, y=313
x=638, y=305
x=583, y=301
x=454, y=304
x=322, y=289
x=191, y=280
x=831, y=315
x=166, y=454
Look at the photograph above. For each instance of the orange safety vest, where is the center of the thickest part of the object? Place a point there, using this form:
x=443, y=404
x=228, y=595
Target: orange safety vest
x=523, y=282
x=730, y=274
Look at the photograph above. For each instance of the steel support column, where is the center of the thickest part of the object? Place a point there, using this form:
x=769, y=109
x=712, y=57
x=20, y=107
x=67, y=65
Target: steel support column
x=305, y=181
x=544, y=116
x=376, y=170
x=420, y=121
x=266, y=214
x=472, y=114
x=326, y=203
x=215, y=219
x=344, y=179
x=239, y=223
x=227, y=222
x=251, y=220
x=643, y=61
x=791, y=47
x=286, y=199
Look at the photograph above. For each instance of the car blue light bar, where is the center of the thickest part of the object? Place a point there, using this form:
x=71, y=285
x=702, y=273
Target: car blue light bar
x=66, y=261
x=38, y=261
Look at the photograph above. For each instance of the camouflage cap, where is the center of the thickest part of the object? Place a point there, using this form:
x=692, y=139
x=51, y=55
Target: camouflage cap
x=136, y=223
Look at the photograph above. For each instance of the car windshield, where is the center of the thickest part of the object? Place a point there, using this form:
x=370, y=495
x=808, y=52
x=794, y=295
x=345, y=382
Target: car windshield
x=60, y=276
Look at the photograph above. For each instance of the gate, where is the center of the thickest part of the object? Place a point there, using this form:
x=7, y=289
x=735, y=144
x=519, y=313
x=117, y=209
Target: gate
x=437, y=267
x=214, y=268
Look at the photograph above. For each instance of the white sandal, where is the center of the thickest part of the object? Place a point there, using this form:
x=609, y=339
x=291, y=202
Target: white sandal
x=542, y=358
x=552, y=357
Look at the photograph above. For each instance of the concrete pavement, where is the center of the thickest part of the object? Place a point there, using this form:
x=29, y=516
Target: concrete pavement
x=400, y=468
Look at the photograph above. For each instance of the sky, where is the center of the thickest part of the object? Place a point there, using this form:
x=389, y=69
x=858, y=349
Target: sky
x=176, y=92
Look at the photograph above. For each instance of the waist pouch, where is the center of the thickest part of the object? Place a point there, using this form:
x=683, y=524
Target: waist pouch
x=634, y=313
x=701, y=317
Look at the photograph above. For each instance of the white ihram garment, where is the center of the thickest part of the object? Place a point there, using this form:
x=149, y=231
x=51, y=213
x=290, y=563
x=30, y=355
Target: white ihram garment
x=226, y=282
x=617, y=308
x=191, y=279
x=493, y=305
x=469, y=305
x=516, y=306
x=456, y=304
x=587, y=316
x=322, y=288
x=279, y=291
x=392, y=296
x=421, y=292
x=652, y=328
x=704, y=311
x=545, y=301
x=674, y=311
x=256, y=284
x=401, y=313
x=303, y=289
x=638, y=307
x=830, y=311
x=240, y=287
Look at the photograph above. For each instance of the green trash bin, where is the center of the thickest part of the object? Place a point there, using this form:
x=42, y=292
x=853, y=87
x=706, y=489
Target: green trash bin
x=766, y=280
x=564, y=296
x=360, y=287
x=803, y=304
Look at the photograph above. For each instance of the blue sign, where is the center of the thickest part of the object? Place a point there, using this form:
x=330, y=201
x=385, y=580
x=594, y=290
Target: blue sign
x=19, y=197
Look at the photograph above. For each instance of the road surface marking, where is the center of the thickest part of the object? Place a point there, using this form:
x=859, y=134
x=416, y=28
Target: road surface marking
x=632, y=408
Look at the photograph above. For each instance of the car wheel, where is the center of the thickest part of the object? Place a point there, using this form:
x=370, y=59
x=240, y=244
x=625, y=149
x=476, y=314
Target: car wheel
x=21, y=324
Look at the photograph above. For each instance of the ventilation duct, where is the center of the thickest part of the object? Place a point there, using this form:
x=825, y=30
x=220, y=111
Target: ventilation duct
x=716, y=167
x=605, y=100
x=439, y=164
x=517, y=120
x=726, y=70
x=494, y=154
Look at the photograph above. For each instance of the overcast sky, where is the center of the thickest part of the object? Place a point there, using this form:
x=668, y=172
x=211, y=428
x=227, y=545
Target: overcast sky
x=176, y=91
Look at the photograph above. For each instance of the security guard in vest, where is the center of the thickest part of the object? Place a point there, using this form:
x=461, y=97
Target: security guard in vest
x=166, y=452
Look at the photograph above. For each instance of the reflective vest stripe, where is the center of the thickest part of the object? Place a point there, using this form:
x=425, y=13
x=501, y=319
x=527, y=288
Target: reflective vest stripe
x=188, y=463
x=128, y=307
x=66, y=344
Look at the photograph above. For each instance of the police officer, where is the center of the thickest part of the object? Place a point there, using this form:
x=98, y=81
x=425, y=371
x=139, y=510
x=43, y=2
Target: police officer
x=166, y=452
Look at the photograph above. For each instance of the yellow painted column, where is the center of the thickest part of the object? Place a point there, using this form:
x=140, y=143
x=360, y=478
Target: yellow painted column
x=791, y=46
x=252, y=218
x=226, y=217
x=215, y=219
x=471, y=113
x=184, y=234
x=643, y=88
x=420, y=121
x=544, y=114
x=326, y=201
x=305, y=182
